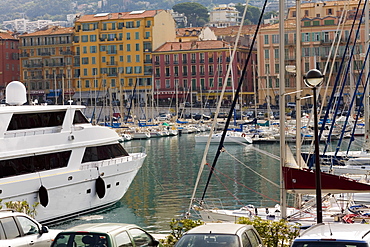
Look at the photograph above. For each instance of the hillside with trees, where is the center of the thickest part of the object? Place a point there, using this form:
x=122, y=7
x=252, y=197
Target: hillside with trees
x=58, y=10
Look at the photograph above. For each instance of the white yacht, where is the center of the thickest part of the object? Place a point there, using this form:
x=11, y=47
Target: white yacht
x=54, y=156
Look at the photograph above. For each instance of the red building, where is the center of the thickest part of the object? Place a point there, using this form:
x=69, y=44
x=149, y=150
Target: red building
x=9, y=60
x=195, y=71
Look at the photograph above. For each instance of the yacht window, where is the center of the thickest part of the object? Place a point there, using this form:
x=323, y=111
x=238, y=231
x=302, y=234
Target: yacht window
x=104, y=152
x=36, y=120
x=35, y=163
x=79, y=118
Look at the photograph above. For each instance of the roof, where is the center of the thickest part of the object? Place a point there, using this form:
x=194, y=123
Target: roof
x=192, y=45
x=218, y=228
x=100, y=227
x=117, y=16
x=336, y=231
x=6, y=35
x=233, y=30
x=55, y=30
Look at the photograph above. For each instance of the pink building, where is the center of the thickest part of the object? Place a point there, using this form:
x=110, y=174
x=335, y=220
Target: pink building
x=195, y=71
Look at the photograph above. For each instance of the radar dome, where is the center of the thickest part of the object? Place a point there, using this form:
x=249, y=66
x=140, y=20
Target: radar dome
x=16, y=93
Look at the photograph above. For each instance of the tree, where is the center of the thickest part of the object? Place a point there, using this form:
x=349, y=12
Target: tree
x=253, y=13
x=196, y=13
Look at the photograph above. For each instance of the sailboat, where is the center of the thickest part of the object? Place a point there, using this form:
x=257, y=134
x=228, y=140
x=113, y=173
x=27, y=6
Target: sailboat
x=348, y=161
x=294, y=179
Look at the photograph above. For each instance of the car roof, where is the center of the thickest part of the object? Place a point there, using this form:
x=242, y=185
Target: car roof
x=218, y=228
x=100, y=227
x=7, y=213
x=337, y=231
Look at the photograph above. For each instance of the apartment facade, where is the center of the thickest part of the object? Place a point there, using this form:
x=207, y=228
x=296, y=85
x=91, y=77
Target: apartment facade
x=113, y=52
x=46, y=58
x=195, y=71
x=318, y=31
x=9, y=62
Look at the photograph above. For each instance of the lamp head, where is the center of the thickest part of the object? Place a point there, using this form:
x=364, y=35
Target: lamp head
x=313, y=78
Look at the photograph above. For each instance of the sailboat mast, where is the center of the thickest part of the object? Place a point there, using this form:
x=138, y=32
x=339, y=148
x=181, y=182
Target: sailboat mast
x=298, y=84
x=282, y=106
x=366, y=93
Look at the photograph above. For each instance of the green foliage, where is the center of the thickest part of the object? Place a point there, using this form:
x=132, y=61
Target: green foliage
x=196, y=13
x=23, y=207
x=252, y=16
x=178, y=228
x=273, y=233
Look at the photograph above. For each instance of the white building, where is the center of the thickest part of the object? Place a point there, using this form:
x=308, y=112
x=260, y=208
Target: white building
x=224, y=15
x=24, y=25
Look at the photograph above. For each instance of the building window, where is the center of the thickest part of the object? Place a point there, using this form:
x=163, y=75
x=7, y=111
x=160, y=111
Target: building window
x=330, y=11
x=137, y=47
x=92, y=49
x=137, y=36
x=128, y=36
x=84, y=38
x=267, y=53
x=87, y=83
x=129, y=70
x=266, y=38
x=275, y=38
x=306, y=37
x=211, y=82
x=93, y=38
x=130, y=24
x=168, y=85
x=128, y=47
x=137, y=58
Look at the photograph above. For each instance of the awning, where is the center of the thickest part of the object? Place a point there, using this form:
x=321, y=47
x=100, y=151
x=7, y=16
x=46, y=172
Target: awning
x=53, y=93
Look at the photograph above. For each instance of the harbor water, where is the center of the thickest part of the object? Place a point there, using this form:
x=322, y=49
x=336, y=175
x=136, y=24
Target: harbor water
x=162, y=189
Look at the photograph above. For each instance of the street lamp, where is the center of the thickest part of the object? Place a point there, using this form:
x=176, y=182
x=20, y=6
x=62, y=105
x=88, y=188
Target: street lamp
x=313, y=79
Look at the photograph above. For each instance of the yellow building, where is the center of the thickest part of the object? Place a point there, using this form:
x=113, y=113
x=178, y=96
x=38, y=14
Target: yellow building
x=113, y=52
x=319, y=25
x=46, y=63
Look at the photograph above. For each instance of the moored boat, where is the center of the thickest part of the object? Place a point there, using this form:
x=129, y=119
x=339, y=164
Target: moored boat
x=53, y=156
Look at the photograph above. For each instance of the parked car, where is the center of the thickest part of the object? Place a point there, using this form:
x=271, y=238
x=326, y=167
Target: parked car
x=220, y=234
x=104, y=235
x=18, y=229
x=354, y=235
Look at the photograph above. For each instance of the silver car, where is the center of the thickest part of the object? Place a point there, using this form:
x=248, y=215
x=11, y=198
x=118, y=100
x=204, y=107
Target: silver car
x=20, y=230
x=221, y=234
x=104, y=235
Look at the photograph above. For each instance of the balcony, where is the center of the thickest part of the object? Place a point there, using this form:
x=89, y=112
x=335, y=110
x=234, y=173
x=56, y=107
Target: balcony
x=111, y=63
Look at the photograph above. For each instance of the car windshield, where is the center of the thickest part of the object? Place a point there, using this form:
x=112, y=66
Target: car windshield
x=330, y=244
x=214, y=240
x=80, y=239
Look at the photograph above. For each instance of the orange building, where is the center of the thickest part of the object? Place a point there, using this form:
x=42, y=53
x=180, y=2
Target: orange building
x=319, y=25
x=46, y=63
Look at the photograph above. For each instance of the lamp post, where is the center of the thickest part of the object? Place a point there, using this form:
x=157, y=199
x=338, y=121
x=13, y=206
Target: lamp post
x=313, y=79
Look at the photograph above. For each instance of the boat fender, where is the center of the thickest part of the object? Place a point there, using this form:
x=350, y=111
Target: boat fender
x=43, y=195
x=100, y=187
x=243, y=135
